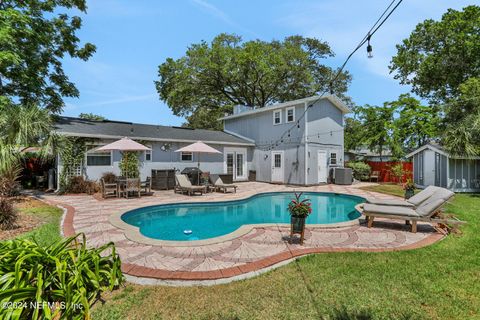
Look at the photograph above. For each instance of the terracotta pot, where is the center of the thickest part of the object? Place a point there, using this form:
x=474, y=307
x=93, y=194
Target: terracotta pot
x=298, y=224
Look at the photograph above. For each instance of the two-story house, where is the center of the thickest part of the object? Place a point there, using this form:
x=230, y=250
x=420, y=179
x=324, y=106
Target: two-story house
x=284, y=143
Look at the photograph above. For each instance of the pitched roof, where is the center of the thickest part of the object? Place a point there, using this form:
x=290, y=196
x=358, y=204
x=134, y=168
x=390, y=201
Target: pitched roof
x=332, y=98
x=117, y=129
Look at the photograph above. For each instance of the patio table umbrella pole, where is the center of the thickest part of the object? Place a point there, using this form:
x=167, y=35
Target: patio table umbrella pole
x=198, y=147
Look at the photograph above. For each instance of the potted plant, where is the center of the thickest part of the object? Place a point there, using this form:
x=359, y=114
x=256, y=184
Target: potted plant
x=409, y=188
x=299, y=211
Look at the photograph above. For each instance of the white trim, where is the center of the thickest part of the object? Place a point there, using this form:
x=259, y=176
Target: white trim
x=275, y=112
x=106, y=136
x=330, y=158
x=185, y=152
x=282, y=164
x=87, y=151
x=148, y=151
x=332, y=98
x=305, y=140
x=427, y=146
x=238, y=135
x=286, y=114
x=324, y=151
x=234, y=151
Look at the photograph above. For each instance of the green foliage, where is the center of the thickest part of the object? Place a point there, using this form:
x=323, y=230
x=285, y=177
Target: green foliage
x=72, y=153
x=129, y=165
x=91, y=116
x=440, y=55
x=9, y=177
x=398, y=172
x=361, y=170
x=8, y=214
x=65, y=278
x=211, y=78
x=461, y=134
x=354, y=131
x=299, y=208
x=35, y=37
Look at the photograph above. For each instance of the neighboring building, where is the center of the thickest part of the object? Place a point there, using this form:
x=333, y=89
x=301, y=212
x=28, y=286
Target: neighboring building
x=364, y=154
x=432, y=165
x=303, y=157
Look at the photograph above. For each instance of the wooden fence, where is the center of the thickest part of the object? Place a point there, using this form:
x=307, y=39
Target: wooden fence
x=386, y=173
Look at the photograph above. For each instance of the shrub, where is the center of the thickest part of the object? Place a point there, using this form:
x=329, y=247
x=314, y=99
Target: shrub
x=361, y=170
x=129, y=164
x=64, y=279
x=9, y=185
x=78, y=184
x=8, y=214
x=109, y=177
x=398, y=172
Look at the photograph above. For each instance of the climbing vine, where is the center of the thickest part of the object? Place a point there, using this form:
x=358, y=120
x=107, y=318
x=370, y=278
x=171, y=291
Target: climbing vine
x=129, y=165
x=72, y=153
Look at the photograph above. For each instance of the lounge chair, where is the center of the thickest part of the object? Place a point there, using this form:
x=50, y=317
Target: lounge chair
x=109, y=189
x=184, y=185
x=146, y=185
x=426, y=210
x=413, y=202
x=219, y=185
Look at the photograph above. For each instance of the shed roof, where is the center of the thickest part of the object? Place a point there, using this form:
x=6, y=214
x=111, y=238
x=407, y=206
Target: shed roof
x=108, y=129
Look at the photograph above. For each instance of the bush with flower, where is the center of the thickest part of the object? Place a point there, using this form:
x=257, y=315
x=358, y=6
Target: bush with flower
x=300, y=208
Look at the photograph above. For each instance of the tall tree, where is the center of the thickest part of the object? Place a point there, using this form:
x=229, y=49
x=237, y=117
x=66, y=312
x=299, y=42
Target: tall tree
x=228, y=71
x=34, y=38
x=461, y=125
x=378, y=122
x=440, y=55
x=91, y=116
x=354, y=130
x=415, y=125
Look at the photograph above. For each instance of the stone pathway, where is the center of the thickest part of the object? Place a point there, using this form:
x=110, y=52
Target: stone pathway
x=260, y=248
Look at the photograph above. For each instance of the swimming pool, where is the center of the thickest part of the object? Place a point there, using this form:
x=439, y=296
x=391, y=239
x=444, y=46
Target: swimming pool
x=198, y=221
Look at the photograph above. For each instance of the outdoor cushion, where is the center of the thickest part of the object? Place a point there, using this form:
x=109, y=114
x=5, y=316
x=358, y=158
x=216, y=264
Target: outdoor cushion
x=427, y=209
x=389, y=210
x=423, y=195
x=388, y=202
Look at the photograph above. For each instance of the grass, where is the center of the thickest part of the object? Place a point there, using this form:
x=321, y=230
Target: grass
x=437, y=282
x=49, y=231
x=393, y=189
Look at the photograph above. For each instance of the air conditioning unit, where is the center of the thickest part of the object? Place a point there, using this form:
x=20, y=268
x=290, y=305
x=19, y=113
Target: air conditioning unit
x=342, y=176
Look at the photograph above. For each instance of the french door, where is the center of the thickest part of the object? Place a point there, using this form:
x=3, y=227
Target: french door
x=236, y=163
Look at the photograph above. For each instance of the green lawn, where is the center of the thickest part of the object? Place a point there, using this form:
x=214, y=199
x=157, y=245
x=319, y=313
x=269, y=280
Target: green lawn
x=438, y=282
x=49, y=231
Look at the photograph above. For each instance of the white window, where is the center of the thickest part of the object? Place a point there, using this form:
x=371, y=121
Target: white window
x=291, y=114
x=333, y=158
x=98, y=158
x=186, y=156
x=148, y=155
x=277, y=117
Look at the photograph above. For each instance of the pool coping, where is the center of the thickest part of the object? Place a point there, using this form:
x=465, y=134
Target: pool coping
x=133, y=233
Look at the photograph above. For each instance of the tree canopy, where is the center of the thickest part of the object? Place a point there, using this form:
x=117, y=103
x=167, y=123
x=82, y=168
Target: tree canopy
x=213, y=77
x=91, y=116
x=34, y=38
x=440, y=55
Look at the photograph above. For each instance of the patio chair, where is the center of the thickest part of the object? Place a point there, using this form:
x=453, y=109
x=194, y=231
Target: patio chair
x=183, y=184
x=413, y=202
x=146, y=185
x=375, y=175
x=109, y=189
x=219, y=185
x=132, y=185
x=426, y=211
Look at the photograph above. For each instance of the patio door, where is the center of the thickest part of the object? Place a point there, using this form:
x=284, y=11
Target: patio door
x=322, y=166
x=277, y=166
x=235, y=163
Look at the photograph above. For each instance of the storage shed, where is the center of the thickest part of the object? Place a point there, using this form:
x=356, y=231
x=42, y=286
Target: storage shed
x=432, y=165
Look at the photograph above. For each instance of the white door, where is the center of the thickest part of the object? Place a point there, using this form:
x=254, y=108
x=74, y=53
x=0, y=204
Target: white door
x=236, y=164
x=277, y=166
x=322, y=166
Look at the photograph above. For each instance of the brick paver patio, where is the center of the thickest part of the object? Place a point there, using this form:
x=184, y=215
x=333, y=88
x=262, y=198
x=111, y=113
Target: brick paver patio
x=260, y=248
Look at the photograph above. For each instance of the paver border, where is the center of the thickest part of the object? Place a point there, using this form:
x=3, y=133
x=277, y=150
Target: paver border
x=133, y=233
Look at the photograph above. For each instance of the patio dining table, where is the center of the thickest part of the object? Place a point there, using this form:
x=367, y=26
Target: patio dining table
x=122, y=185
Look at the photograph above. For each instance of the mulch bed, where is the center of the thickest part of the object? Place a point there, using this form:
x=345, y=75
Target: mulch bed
x=25, y=222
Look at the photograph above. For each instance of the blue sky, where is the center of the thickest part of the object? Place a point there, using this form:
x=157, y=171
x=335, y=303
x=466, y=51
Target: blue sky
x=134, y=37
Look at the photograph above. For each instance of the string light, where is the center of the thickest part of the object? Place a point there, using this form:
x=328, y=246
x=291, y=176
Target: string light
x=369, y=48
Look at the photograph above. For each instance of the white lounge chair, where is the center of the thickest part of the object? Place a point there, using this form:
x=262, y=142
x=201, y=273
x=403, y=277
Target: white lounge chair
x=219, y=185
x=184, y=185
x=413, y=202
x=426, y=210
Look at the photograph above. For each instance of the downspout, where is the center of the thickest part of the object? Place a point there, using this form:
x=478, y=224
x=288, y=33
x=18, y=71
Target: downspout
x=305, y=138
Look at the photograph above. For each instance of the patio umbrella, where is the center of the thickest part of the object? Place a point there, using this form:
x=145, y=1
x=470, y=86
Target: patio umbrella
x=124, y=145
x=198, y=147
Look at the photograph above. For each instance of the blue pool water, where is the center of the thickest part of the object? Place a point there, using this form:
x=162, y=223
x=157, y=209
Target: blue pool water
x=196, y=221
